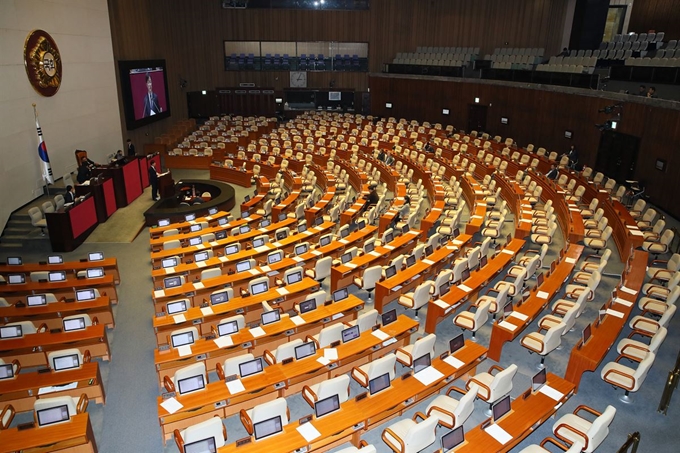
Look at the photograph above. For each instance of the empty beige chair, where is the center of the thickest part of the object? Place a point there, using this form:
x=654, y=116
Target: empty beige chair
x=572, y=428
x=628, y=378
x=472, y=321
x=657, y=248
x=417, y=298
x=375, y=368
x=665, y=272
x=338, y=385
x=322, y=269
x=544, y=344
x=195, y=369
x=493, y=387
x=658, y=307
x=366, y=320
x=74, y=405
x=409, y=436
x=599, y=243
x=637, y=350
x=514, y=283
x=263, y=412
x=328, y=335
x=573, y=291
x=66, y=359
x=368, y=279
x=283, y=352
x=646, y=326
x=37, y=219
x=406, y=355
x=450, y=412
x=174, y=244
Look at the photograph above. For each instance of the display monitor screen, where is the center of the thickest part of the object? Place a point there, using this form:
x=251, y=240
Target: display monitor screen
x=456, y=343
x=325, y=240
x=444, y=288
x=244, y=214
x=340, y=294
x=465, y=275
x=59, y=276
x=344, y=232
x=181, y=339
x=327, y=405
x=267, y=427
x=259, y=288
x=85, y=294
x=483, y=261
x=246, y=199
x=55, y=259
x=6, y=371
x=389, y=317
x=74, y=324
x=351, y=333
x=66, y=362
x=194, y=241
x=212, y=211
x=346, y=258
x=410, y=260
x=538, y=380
x=223, y=221
x=95, y=256
x=265, y=223
x=172, y=282
x=231, y=249
x=250, y=367
x=281, y=235
x=282, y=217
x=539, y=279
x=294, y=277
x=190, y=217
x=243, y=266
x=274, y=257
x=302, y=228
x=95, y=272
x=219, y=297
x=307, y=305
x=191, y=384
x=258, y=242
x=422, y=362
x=52, y=415
x=195, y=228
x=201, y=446
x=177, y=307
x=452, y=439
x=305, y=350
x=361, y=224
x=369, y=247
x=428, y=250
x=301, y=249
x=389, y=237
x=169, y=262
x=10, y=332
x=404, y=229
x=14, y=260
x=163, y=222
x=227, y=328
x=379, y=383
x=390, y=271
x=144, y=92
x=318, y=221
x=243, y=229
x=501, y=408
x=269, y=317
x=36, y=300
x=200, y=256
x=586, y=333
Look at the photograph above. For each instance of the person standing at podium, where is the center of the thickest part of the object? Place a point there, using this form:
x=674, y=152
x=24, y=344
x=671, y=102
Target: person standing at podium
x=130, y=148
x=153, y=180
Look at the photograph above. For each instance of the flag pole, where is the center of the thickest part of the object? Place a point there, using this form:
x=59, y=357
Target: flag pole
x=46, y=162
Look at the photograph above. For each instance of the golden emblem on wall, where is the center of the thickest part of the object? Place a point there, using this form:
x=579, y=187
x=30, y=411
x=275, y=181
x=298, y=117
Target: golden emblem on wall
x=43, y=62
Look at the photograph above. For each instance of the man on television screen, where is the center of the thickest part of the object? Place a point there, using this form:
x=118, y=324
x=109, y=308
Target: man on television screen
x=151, y=106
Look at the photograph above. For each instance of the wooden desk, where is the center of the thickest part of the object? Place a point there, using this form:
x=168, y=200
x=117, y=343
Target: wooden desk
x=441, y=308
x=105, y=285
x=186, y=234
x=527, y=414
x=22, y=391
x=104, y=196
x=156, y=232
x=231, y=175
x=74, y=436
x=355, y=418
x=589, y=356
x=52, y=314
x=533, y=305
x=69, y=227
x=71, y=268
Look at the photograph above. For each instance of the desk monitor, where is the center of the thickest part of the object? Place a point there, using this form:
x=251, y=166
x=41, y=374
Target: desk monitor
x=361, y=225
x=181, y=339
x=428, y=250
x=269, y=317
x=231, y=249
x=267, y=427
x=281, y=235
x=220, y=235
x=422, y=362
x=351, y=333
x=302, y=228
x=507, y=309
x=389, y=317
x=500, y=408
x=301, y=249
x=540, y=278
x=259, y=288
x=245, y=214
x=95, y=272
x=169, y=262
x=327, y=405
x=200, y=256
x=282, y=217
x=378, y=384
x=258, y=242
x=538, y=380
x=410, y=260
x=212, y=211
x=163, y=222
x=340, y=294
x=52, y=415
x=307, y=305
x=242, y=266
x=456, y=233
x=6, y=371
x=243, y=229
x=219, y=298
x=36, y=300
x=227, y=328
x=194, y=241
x=295, y=277
x=74, y=324
x=456, y=343
x=346, y=258
x=58, y=276
x=325, y=240
x=250, y=367
x=195, y=228
x=389, y=237
x=453, y=439
x=274, y=257
x=223, y=221
x=265, y=223
x=405, y=230
x=444, y=288
x=16, y=279
x=465, y=275
x=191, y=384
x=179, y=306
x=390, y=271
x=55, y=259
x=305, y=350
x=509, y=239
x=10, y=332
x=483, y=261
x=585, y=336
x=95, y=256
x=201, y=446
x=602, y=313
x=318, y=221
x=553, y=265
x=344, y=232
x=172, y=282
x=190, y=217
x=14, y=261
x=369, y=247
x=66, y=362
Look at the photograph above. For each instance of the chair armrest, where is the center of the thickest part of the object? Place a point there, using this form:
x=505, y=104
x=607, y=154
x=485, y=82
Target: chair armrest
x=309, y=395
x=269, y=357
x=87, y=358
x=178, y=439
x=362, y=444
x=457, y=389
x=220, y=371
x=573, y=430
x=168, y=384
x=481, y=386
x=624, y=375
x=583, y=407
x=402, y=447
x=632, y=346
x=658, y=261
x=493, y=368
x=246, y=421
x=418, y=415
x=360, y=372
x=81, y=407
x=553, y=441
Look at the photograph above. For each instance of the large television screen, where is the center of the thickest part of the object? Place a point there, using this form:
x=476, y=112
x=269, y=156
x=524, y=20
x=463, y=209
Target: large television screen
x=144, y=89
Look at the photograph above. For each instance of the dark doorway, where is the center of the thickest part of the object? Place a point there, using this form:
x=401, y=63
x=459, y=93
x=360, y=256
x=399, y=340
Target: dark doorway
x=477, y=117
x=617, y=155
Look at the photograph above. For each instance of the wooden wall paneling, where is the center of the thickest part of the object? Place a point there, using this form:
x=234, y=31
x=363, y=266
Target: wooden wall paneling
x=659, y=15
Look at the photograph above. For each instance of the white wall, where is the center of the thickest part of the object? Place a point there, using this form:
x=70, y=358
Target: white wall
x=83, y=114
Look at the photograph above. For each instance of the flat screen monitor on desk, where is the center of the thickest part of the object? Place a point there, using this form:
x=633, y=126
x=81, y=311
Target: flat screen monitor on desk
x=295, y=277
x=351, y=333
x=190, y=217
x=483, y=261
x=55, y=259
x=194, y=241
x=301, y=249
x=172, y=282
x=344, y=233
x=389, y=317
x=243, y=229
x=379, y=383
x=267, y=427
x=245, y=214
x=259, y=288
x=410, y=260
x=501, y=408
x=95, y=256
x=179, y=306
x=538, y=380
x=307, y=305
x=182, y=339
x=163, y=222
x=269, y=317
x=453, y=439
x=390, y=271
x=16, y=279
x=95, y=272
x=14, y=260
x=201, y=446
x=219, y=298
x=318, y=221
x=243, y=266
x=250, y=367
x=281, y=235
x=83, y=295
x=223, y=221
x=465, y=275
x=74, y=324
x=340, y=294
x=52, y=415
x=585, y=336
x=346, y=258
x=327, y=405
x=282, y=217
x=6, y=371
x=169, y=262
x=231, y=249
x=274, y=257
x=265, y=223
x=389, y=238
x=200, y=256
x=227, y=328
x=428, y=250
x=191, y=384
x=36, y=300
x=456, y=343
x=195, y=228
x=10, y=332
x=422, y=362
x=302, y=228
x=258, y=242
x=66, y=362
x=305, y=350
x=212, y=211
x=325, y=240
x=444, y=288
x=539, y=279
x=361, y=224
x=369, y=247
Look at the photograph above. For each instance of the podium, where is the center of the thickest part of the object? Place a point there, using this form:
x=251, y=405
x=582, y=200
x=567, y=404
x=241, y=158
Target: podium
x=166, y=185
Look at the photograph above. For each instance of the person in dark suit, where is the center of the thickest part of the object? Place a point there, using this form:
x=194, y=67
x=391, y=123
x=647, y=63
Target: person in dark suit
x=573, y=156
x=151, y=106
x=70, y=195
x=84, y=171
x=552, y=174
x=130, y=148
x=153, y=180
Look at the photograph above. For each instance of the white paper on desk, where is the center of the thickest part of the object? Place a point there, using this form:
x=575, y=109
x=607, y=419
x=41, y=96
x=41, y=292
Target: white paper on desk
x=223, y=259
x=380, y=335
x=627, y=290
x=208, y=217
x=343, y=241
x=214, y=243
x=570, y=260
x=467, y=289
x=441, y=304
x=261, y=249
x=276, y=244
x=396, y=288
x=265, y=269
x=454, y=362
x=428, y=262
x=57, y=388
x=316, y=252
x=159, y=293
x=184, y=351
x=351, y=265
x=257, y=332
x=542, y=295
x=235, y=387
x=253, y=271
x=177, y=319
x=330, y=353
x=323, y=361
x=509, y=252
x=551, y=392
x=223, y=342
x=574, y=209
x=200, y=246
x=199, y=285
x=428, y=375
x=282, y=291
x=451, y=247
x=389, y=247
x=637, y=233
x=201, y=264
x=624, y=302
x=262, y=230
x=457, y=242
x=308, y=431
x=171, y=405
x=351, y=211
x=518, y=315
x=298, y=320
x=498, y=433
x=476, y=217
x=337, y=316
x=297, y=259
x=207, y=311
x=374, y=253
x=618, y=314
x=507, y=325
x=169, y=270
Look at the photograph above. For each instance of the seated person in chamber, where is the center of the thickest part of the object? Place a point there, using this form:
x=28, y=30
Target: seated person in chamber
x=553, y=173
x=70, y=195
x=84, y=171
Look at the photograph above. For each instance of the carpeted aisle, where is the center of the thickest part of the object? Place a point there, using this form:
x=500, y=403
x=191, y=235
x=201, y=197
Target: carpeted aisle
x=125, y=224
